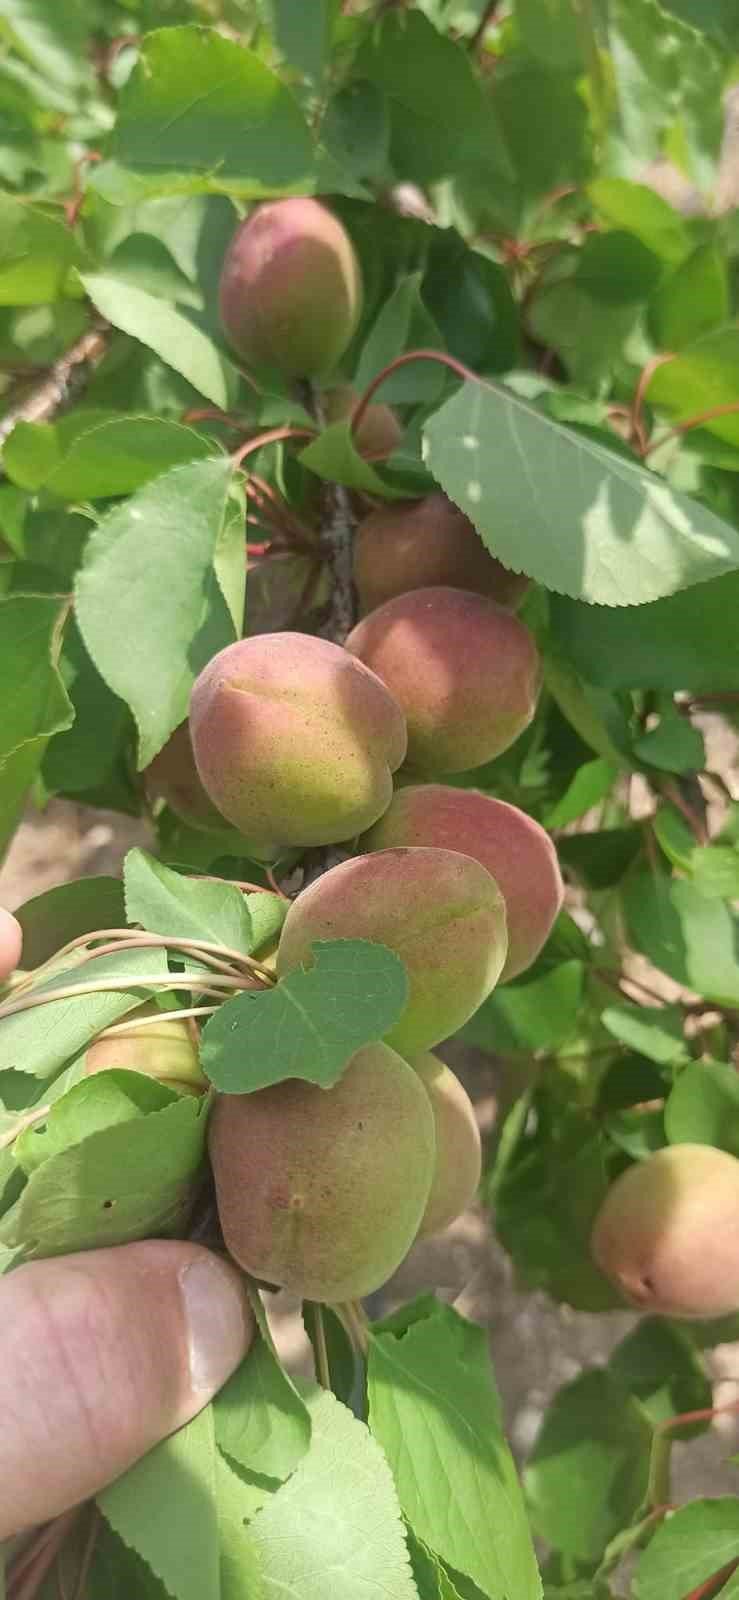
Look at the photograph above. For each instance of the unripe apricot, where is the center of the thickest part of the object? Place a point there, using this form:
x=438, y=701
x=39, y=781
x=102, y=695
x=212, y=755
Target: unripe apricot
x=458, y=1148
x=513, y=847
x=379, y=431
x=173, y=776
x=321, y=1191
x=294, y=740
x=465, y=672
x=667, y=1233
x=441, y=912
x=160, y=1049
x=421, y=544
x=291, y=288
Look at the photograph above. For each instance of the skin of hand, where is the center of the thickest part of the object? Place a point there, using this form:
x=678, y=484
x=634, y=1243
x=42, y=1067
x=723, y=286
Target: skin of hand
x=104, y=1353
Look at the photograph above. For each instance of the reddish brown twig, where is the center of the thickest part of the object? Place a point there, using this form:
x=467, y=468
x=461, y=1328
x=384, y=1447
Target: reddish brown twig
x=62, y=379
x=689, y=423
x=645, y=379
x=402, y=361
x=712, y=1586
x=271, y=436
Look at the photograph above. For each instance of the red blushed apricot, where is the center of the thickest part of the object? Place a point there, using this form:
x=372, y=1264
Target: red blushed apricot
x=322, y=1190
x=441, y=912
x=667, y=1233
x=295, y=741
x=423, y=544
x=513, y=847
x=173, y=776
x=466, y=673
x=291, y=288
x=379, y=431
x=458, y=1148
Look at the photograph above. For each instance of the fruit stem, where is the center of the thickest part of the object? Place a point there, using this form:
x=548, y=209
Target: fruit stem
x=658, y=1483
x=178, y=980
x=356, y=1324
x=211, y=953
x=271, y=436
x=24, y=1120
x=137, y=1023
x=324, y=1374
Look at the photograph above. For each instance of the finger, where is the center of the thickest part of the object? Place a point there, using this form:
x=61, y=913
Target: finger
x=10, y=943
x=102, y=1355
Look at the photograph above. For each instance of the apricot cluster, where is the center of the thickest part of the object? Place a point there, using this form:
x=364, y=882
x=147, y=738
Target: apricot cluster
x=297, y=742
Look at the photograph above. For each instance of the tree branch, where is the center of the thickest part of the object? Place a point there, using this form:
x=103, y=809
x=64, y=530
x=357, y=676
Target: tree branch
x=63, y=380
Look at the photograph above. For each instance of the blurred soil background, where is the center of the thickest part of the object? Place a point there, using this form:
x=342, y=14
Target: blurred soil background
x=535, y=1344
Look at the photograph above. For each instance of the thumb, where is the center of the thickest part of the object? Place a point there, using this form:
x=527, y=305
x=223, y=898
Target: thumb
x=10, y=943
x=102, y=1355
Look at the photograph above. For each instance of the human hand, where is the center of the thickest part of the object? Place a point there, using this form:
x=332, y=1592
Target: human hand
x=104, y=1353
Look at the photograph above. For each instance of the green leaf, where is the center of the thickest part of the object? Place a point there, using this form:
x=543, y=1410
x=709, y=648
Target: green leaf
x=335, y=1526
x=237, y=1499
x=41, y=1039
x=656, y=1033
x=545, y=1225
x=470, y=299
x=133, y=1180
x=703, y=1107
x=667, y=79
x=538, y=1013
x=91, y=455
x=355, y=130
x=549, y=30
x=592, y=782
x=443, y=124
x=617, y=268
x=37, y=255
x=674, y=745
x=642, y=212
x=51, y=919
x=118, y=1573
x=600, y=858
x=267, y=913
x=396, y=328
x=155, y=553
x=571, y=514
x=340, y=1357
x=89, y=754
x=685, y=642
x=703, y=375
x=687, y=935
x=457, y=1484
x=240, y=132
x=166, y=902
x=52, y=38
x=311, y=1023
x=168, y=332
x=164, y=1508
x=35, y=702
x=18, y=773
x=688, y=1548
x=332, y=456
x=658, y=1364
x=545, y=125
x=692, y=301
x=587, y=333
x=302, y=37
x=96, y=1103
x=261, y=1422
x=587, y=1473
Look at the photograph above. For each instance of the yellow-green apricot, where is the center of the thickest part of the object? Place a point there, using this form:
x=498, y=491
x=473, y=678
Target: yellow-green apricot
x=160, y=1049
x=421, y=544
x=458, y=1147
x=295, y=741
x=321, y=1191
x=513, y=847
x=291, y=288
x=173, y=776
x=379, y=432
x=465, y=672
x=667, y=1233
x=440, y=911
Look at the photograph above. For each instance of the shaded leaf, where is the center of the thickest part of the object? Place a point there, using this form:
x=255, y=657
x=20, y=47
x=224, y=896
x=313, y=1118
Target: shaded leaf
x=166, y=331
x=166, y=902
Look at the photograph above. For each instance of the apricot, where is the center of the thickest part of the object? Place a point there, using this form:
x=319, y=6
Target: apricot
x=667, y=1233
x=379, y=431
x=173, y=776
x=291, y=288
x=513, y=847
x=420, y=544
x=458, y=1149
x=321, y=1191
x=465, y=672
x=295, y=740
x=160, y=1049
x=440, y=911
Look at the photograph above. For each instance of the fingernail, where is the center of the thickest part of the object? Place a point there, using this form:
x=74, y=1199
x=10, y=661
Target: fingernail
x=219, y=1321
